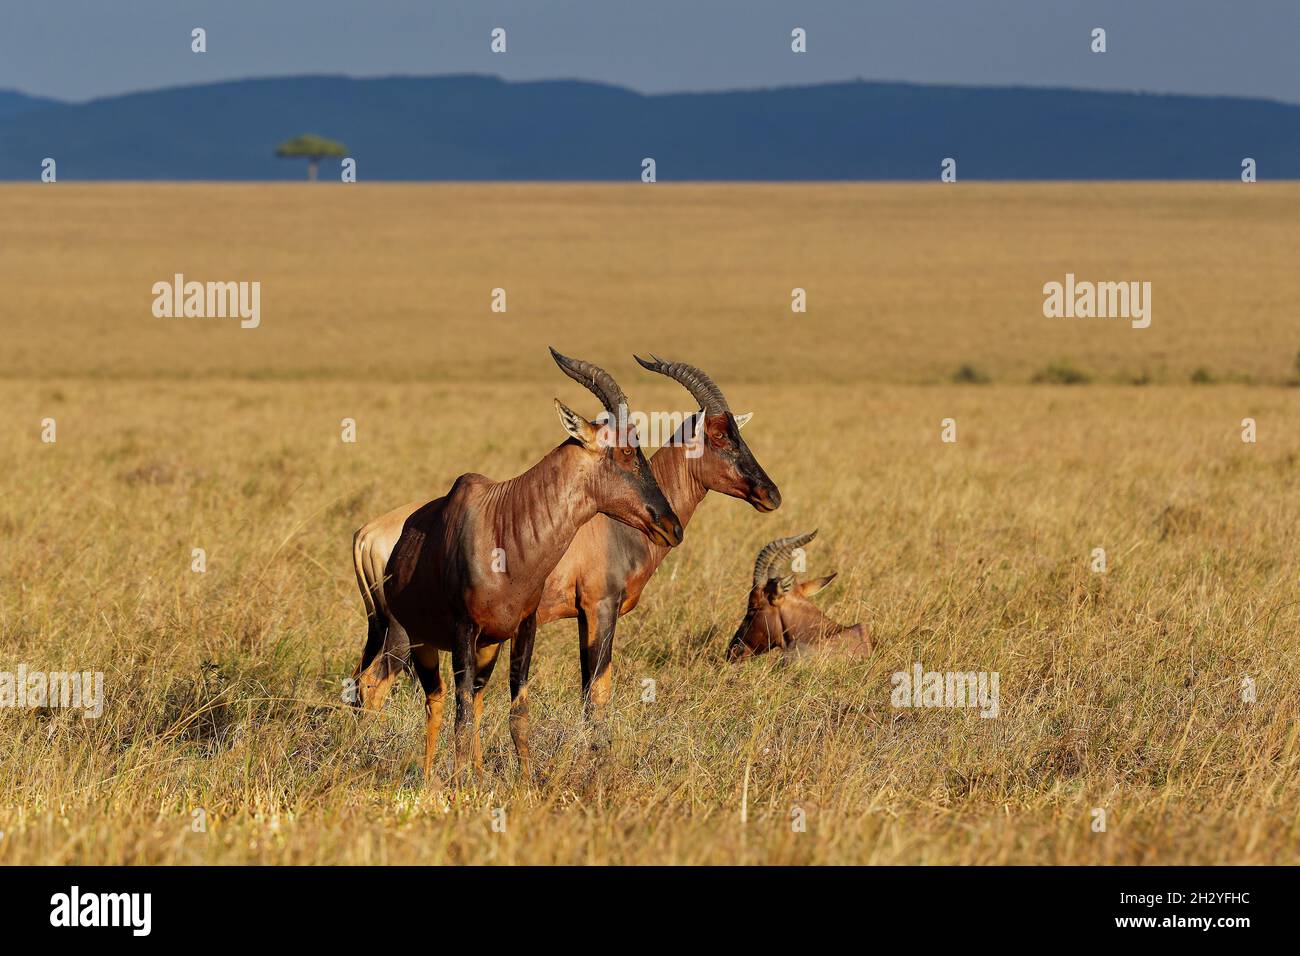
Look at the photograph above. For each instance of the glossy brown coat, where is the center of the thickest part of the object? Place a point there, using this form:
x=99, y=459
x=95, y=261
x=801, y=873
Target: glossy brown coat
x=467, y=570
x=608, y=565
x=605, y=571
x=780, y=617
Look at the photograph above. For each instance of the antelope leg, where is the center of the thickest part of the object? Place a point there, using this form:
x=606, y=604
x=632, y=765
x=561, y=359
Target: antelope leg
x=485, y=658
x=430, y=676
x=462, y=666
x=596, y=628
x=521, y=658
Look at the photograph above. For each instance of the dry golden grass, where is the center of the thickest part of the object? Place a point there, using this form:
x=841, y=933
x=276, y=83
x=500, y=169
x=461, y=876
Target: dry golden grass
x=905, y=282
x=1119, y=690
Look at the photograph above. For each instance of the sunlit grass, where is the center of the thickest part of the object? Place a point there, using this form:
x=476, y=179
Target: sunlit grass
x=1120, y=691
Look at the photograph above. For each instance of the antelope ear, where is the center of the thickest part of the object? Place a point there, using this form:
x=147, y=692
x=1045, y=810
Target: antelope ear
x=742, y=419
x=783, y=587
x=697, y=433
x=578, y=427
x=809, y=588
x=694, y=435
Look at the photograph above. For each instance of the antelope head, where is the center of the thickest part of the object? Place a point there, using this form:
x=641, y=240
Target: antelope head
x=619, y=477
x=780, y=616
x=725, y=464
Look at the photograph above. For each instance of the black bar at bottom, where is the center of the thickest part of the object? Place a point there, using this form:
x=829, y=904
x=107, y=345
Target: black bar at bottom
x=332, y=905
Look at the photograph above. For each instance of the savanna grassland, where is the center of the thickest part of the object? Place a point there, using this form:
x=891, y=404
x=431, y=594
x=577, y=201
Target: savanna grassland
x=224, y=690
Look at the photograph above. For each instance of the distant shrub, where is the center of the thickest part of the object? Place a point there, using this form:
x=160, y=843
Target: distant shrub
x=1062, y=373
x=1202, y=376
x=969, y=375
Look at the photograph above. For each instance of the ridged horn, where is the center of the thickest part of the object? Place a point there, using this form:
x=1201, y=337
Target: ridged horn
x=693, y=380
x=778, y=550
x=595, y=378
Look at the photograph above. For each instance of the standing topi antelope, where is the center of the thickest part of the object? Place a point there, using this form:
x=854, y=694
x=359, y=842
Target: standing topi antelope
x=608, y=565
x=781, y=618
x=605, y=570
x=467, y=570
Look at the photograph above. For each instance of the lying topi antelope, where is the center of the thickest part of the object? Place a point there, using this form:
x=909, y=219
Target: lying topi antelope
x=781, y=618
x=467, y=570
x=602, y=575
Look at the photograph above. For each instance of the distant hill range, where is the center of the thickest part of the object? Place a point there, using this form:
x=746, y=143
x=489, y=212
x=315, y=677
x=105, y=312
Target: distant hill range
x=15, y=104
x=483, y=128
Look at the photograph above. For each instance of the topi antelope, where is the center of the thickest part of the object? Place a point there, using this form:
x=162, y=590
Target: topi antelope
x=607, y=566
x=467, y=570
x=780, y=617
x=605, y=570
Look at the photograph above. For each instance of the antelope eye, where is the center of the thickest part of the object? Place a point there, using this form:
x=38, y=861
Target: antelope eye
x=627, y=452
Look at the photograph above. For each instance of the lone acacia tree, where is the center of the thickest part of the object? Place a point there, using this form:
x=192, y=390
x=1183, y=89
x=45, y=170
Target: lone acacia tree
x=314, y=148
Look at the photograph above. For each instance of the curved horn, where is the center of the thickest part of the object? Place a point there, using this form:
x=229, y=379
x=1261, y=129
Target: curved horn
x=693, y=380
x=595, y=378
x=778, y=550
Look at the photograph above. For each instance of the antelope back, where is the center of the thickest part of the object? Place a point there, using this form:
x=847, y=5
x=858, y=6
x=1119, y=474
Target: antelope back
x=803, y=622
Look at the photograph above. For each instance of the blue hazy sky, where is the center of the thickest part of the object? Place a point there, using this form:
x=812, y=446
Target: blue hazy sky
x=80, y=49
